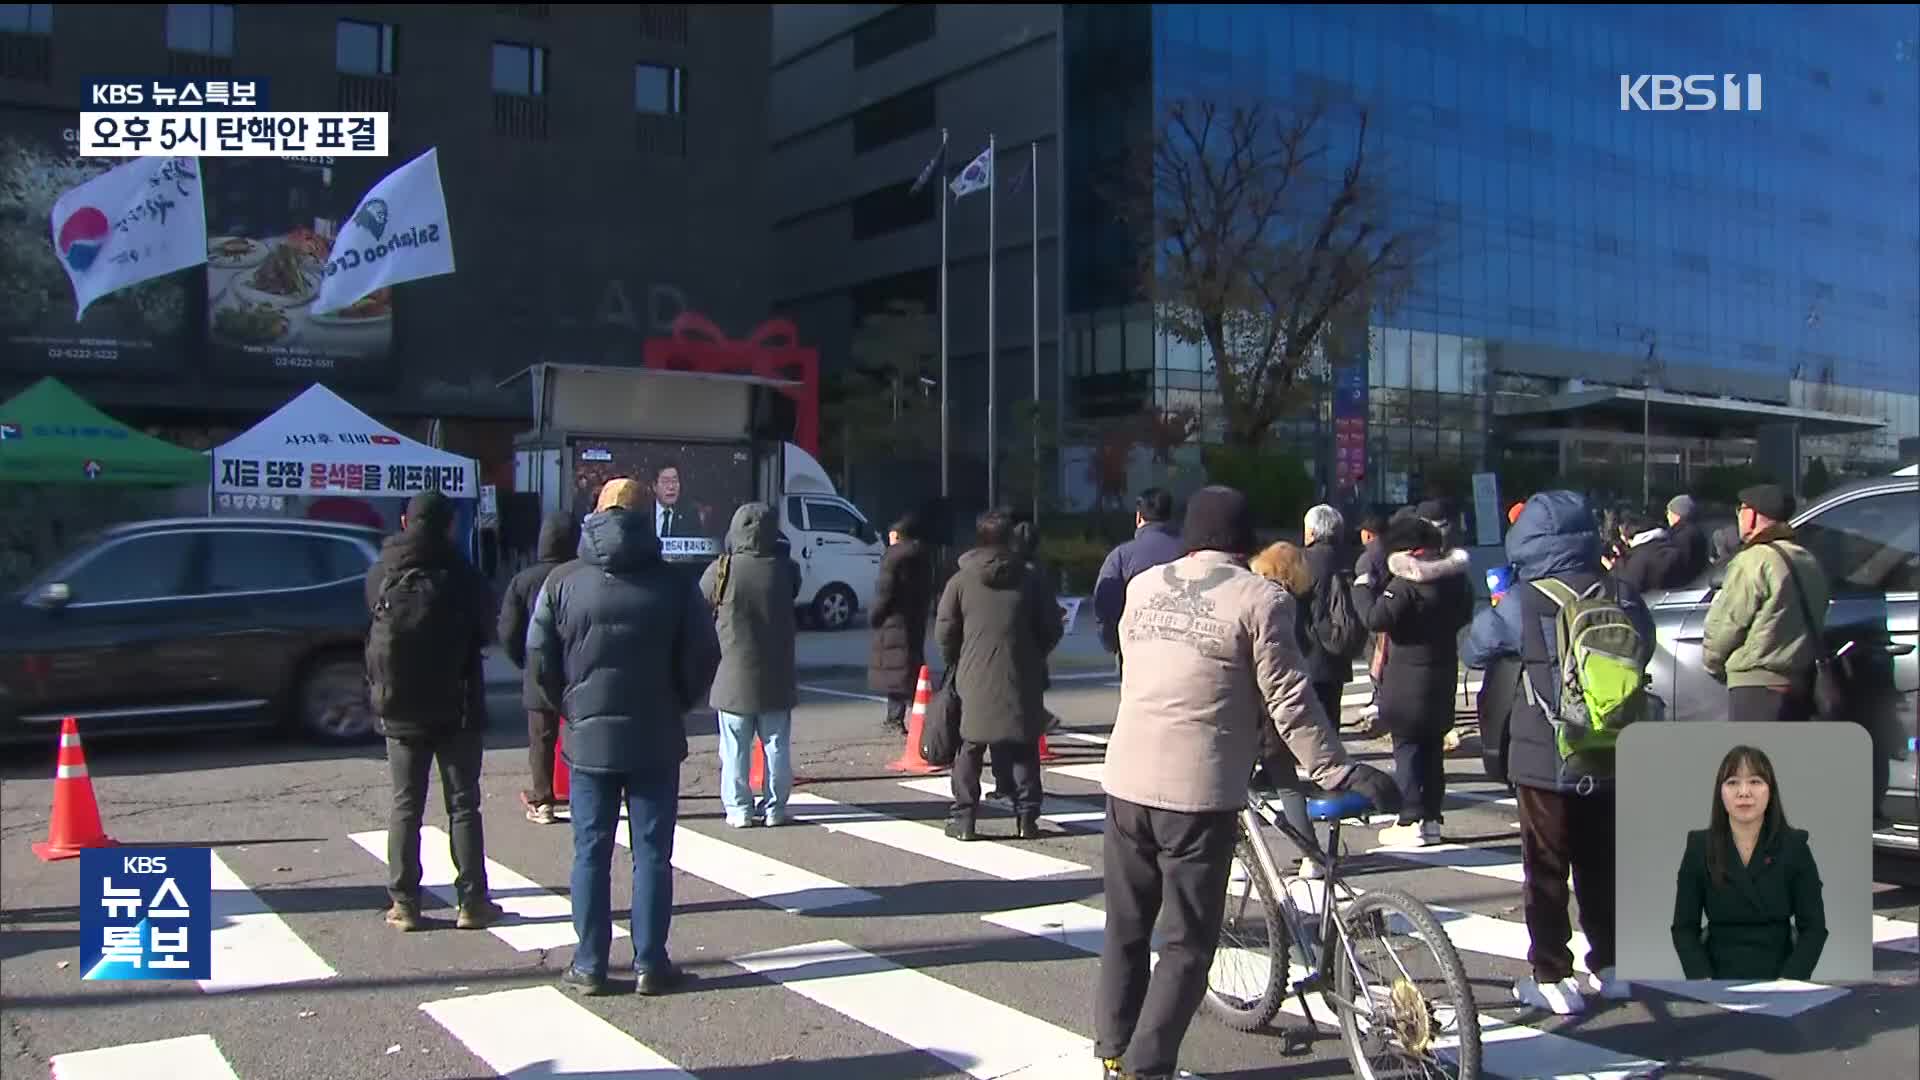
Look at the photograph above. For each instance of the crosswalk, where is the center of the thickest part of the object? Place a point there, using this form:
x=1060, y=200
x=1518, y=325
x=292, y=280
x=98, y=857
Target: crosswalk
x=833, y=881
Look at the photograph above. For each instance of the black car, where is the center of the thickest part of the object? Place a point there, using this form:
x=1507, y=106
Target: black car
x=194, y=624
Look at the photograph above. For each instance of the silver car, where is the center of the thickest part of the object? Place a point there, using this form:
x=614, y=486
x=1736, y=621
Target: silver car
x=1867, y=538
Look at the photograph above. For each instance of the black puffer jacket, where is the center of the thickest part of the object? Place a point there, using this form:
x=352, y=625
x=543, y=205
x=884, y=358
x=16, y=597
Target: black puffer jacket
x=557, y=543
x=1421, y=612
x=465, y=703
x=995, y=630
x=902, y=601
x=1323, y=558
x=1653, y=563
x=625, y=644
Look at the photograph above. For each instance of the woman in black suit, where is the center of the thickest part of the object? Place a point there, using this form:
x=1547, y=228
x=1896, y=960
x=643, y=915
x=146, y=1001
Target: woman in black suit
x=1754, y=879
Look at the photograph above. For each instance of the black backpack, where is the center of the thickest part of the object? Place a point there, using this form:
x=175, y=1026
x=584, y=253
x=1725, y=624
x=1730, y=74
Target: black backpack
x=417, y=645
x=1336, y=620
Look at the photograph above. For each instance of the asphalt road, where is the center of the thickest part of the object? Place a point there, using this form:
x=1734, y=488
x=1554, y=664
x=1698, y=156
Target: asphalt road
x=904, y=957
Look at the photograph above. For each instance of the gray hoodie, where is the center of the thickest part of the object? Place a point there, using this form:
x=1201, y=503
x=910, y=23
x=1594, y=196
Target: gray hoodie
x=751, y=590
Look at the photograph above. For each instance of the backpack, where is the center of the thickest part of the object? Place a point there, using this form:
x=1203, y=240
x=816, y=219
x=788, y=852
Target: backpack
x=417, y=645
x=1336, y=621
x=1603, y=678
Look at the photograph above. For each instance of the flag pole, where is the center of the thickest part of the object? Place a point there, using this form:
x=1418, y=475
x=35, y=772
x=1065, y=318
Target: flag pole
x=941, y=179
x=993, y=382
x=1033, y=186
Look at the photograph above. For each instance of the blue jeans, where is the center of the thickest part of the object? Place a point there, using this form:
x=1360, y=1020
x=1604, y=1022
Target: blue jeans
x=653, y=809
x=736, y=758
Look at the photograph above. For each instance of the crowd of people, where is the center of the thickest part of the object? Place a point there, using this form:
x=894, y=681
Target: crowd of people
x=1233, y=658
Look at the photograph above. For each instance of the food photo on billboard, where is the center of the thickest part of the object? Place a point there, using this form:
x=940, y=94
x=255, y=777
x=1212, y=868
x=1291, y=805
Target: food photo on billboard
x=143, y=328
x=272, y=223
x=692, y=488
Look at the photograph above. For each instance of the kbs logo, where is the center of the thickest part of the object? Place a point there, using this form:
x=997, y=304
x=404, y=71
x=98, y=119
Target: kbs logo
x=1692, y=93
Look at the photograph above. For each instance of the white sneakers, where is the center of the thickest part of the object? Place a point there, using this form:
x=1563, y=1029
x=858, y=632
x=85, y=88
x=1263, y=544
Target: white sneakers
x=1418, y=834
x=1559, y=998
x=1564, y=998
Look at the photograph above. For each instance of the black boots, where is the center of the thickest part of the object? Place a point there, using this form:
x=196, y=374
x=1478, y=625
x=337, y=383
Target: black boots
x=1029, y=826
x=960, y=825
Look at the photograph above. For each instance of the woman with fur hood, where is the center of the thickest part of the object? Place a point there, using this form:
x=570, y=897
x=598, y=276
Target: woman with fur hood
x=1421, y=611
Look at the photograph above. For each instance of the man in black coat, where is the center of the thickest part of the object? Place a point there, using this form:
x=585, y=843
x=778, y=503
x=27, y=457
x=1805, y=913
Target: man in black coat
x=1156, y=542
x=1652, y=561
x=557, y=542
x=1688, y=538
x=625, y=645
x=430, y=622
x=1328, y=672
x=902, y=600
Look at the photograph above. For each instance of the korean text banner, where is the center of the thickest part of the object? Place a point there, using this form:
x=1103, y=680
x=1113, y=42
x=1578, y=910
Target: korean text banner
x=399, y=232
x=141, y=329
x=274, y=227
x=131, y=223
x=146, y=913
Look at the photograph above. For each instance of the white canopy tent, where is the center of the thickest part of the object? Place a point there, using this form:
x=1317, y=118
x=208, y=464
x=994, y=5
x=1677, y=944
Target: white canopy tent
x=318, y=445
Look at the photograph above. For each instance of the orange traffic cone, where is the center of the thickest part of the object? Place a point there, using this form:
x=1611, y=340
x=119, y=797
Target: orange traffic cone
x=562, y=785
x=76, y=816
x=910, y=759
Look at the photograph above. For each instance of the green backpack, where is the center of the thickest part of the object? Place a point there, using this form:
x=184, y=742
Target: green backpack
x=1603, y=670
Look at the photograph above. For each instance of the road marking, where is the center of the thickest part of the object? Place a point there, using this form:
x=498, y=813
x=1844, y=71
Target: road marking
x=1483, y=862
x=1003, y=861
x=193, y=1057
x=542, y=920
x=1083, y=676
x=1512, y=1050
x=750, y=874
x=539, y=1033
x=252, y=946
x=1088, y=771
x=843, y=694
x=974, y=1034
x=1895, y=934
x=1083, y=736
x=1071, y=815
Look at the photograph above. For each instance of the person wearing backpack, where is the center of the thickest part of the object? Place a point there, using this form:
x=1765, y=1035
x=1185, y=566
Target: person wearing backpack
x=1421, y=611
x=754, y=690
x=624, y=643
x=1765, y=630
x=1335, y=632
x=431, y=617
x=1565, y=797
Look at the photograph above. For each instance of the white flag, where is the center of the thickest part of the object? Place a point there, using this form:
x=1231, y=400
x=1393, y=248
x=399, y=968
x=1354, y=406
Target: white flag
x=399, y=232
x=976, y=176
x=133, y=222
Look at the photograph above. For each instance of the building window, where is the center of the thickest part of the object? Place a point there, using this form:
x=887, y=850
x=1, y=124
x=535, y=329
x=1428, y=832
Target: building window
x=519, y=69
x=659, y=90
x=664, y=22
x=890, y=209
x=363, y=48
x=26, y=18
x=200, y=28
x=894, y=119
x=900, y=29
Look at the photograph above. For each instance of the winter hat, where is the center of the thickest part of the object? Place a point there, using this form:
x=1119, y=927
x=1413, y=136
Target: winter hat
x=618, y=493
x=429, y=510
x=1412, y=533
x=1513, y=512
x=1769, y=500
x=1219, y=519
x=1434, y=510
x=1681, y=506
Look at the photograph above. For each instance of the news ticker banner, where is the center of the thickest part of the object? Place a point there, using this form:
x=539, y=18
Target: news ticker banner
x=174, y=117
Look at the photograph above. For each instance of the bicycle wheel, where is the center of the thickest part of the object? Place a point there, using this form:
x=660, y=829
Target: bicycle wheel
x=1396, y=1022
x=1248, y=977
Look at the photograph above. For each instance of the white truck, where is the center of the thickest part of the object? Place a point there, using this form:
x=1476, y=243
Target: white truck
x=838, y=550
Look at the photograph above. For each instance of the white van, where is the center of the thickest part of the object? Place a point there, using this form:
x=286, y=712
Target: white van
x=838, y=550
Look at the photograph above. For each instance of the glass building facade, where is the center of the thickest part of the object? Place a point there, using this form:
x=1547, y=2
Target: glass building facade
x=1769, y=256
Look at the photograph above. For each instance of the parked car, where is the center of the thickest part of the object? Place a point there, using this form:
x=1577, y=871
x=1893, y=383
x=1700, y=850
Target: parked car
x=194, y=624
x=1867, y=537
x=838, y=552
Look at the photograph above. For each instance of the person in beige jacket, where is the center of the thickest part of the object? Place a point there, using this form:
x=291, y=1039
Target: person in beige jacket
x=1211, y=660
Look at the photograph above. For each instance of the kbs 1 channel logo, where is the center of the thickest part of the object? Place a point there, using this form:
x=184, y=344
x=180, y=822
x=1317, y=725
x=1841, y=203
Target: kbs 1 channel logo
x=175, y=117
x=146, y=913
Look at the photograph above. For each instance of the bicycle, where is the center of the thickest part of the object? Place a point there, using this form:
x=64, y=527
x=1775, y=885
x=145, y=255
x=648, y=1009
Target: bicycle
x=1395, y=1013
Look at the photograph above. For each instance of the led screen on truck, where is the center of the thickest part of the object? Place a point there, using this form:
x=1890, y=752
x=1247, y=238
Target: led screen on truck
x=693, y=488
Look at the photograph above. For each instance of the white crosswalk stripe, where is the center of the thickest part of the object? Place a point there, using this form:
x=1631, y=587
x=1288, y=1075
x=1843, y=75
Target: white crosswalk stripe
x=843, y=859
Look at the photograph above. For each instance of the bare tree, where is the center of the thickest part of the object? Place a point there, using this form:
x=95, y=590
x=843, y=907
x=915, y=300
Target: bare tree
x=1266, y=240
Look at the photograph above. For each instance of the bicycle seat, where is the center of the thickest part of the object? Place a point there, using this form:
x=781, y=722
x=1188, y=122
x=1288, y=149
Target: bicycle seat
x=1346, y=804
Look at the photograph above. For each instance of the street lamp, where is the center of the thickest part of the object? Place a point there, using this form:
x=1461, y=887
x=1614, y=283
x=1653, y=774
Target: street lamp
x=1646, y=420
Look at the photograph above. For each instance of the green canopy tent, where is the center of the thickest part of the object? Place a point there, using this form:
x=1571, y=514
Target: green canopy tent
x=50, y=435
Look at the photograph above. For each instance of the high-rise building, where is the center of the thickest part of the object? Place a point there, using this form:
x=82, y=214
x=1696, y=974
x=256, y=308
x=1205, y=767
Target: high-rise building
x=1606, y=276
